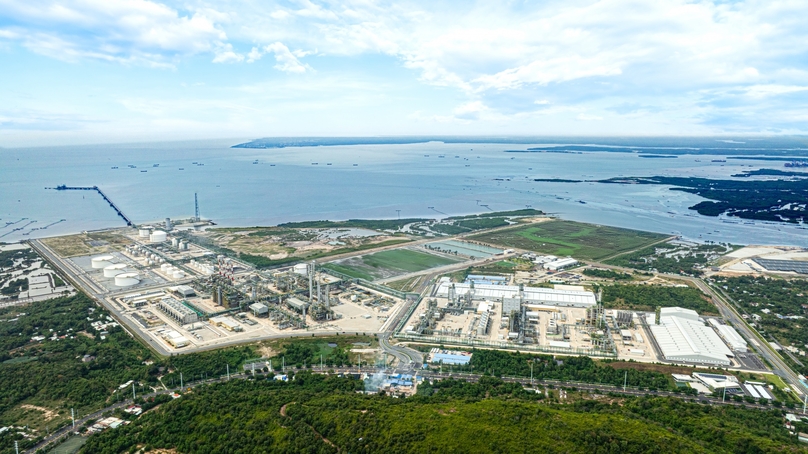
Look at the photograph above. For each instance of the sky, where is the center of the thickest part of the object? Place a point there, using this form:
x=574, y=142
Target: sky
x=97, y=71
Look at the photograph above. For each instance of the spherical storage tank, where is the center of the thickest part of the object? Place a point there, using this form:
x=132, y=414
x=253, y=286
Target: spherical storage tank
x=114, y=270
x=127, y=279
x=158, y=236
x=102, y=261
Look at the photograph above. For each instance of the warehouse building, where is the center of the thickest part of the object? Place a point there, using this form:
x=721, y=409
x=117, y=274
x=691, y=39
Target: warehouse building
x=259, y=309
x=560, y=264
x=730, y=336
x=512, y=294
x=178, y=311
x=683, y=337
x=176, y=339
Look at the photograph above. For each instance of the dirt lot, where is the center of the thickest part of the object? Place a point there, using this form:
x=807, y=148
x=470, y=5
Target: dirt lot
x=278, y=242
x=86, y=244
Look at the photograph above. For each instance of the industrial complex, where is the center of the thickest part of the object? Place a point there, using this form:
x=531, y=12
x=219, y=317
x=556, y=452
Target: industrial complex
x=182, y=295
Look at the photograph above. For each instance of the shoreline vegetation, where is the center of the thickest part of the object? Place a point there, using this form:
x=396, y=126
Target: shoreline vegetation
x=780, y=201
x=762, y=146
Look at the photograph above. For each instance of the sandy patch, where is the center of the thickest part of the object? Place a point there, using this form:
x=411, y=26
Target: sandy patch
x=47, y=414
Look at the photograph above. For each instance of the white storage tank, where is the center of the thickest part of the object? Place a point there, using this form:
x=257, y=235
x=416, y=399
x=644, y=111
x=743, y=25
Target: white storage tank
x=178, y=274
x=127, y=279
x=114, y=270
x=301, y=269
x=102, y=261
x=175, y=242
x=158, y=236
x=183, y=245
x=143, y=233
x=164, y=267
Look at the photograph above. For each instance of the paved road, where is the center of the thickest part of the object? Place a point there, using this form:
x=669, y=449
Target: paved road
x=726, y=307
x=445, y=269
x=80, y=279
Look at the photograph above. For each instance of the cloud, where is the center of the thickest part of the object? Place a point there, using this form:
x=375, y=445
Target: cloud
x=224, y=54
x=287, y=61
x=125, y=31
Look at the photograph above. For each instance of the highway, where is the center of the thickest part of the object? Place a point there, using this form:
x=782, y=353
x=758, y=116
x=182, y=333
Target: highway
x=727, y=310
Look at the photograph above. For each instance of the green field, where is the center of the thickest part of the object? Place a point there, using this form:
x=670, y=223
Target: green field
x=568, y=238
x=388, y=263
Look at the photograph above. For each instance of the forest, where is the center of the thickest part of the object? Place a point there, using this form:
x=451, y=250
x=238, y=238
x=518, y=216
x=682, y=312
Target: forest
x=672, y=258
x=326, y=414
x=564, y=368
x=650, y=297
x=765, y=200
x=785, y=300
x=606, y=274
x=51, y=357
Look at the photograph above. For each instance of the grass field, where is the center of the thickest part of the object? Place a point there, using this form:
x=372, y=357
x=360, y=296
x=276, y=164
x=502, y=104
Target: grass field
x=70, y=446
x=388, y=263
x=568, y=238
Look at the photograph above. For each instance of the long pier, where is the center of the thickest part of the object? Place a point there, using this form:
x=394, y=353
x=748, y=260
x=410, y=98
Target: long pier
x=104, y=196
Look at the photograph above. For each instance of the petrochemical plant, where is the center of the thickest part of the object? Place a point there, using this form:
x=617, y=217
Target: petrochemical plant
x=185, y=296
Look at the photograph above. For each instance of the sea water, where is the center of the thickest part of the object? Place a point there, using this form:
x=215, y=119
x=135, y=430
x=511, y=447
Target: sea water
x=249, y=187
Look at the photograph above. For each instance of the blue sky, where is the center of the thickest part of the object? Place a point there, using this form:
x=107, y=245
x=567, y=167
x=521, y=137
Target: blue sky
x=93, y=71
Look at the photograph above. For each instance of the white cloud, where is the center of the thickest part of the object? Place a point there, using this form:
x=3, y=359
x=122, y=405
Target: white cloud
x=287, y=61
x=126, y=31
x=224, y=54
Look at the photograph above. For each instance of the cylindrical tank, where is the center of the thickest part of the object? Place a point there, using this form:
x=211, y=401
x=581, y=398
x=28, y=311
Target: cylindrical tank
x=149, y=262
x=143, y=233
x=302, y=269
x=164, y=266
x=127, y=279
x=183, y=245
x=177, y=274
x=158, y=236
x=175, y=242
x=102, y=261
x=114, y=270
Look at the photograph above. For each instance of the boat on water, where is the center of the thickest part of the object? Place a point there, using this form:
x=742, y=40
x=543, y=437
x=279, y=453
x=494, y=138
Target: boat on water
x=143, y=171
x=328, y=164
x=115, y=167
x=356, y=165
x=182, y=168
x=581, y=201
x=156, y=165
x=272, y=165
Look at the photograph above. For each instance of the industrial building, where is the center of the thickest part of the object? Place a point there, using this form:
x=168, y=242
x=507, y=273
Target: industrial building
x=176, y=339
x=560, y=264
x=683, y=337
x=178, y=311
x=449, y=356
x=794, y=266
x=717, y=382
x=185, y=291
x=513, y=294
x=227, y=323
x=259, y=309
x=730, y=336
x=297, y=304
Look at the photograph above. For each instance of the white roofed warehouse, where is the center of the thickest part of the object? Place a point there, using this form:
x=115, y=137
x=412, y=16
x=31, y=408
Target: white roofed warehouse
x=681, y=336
